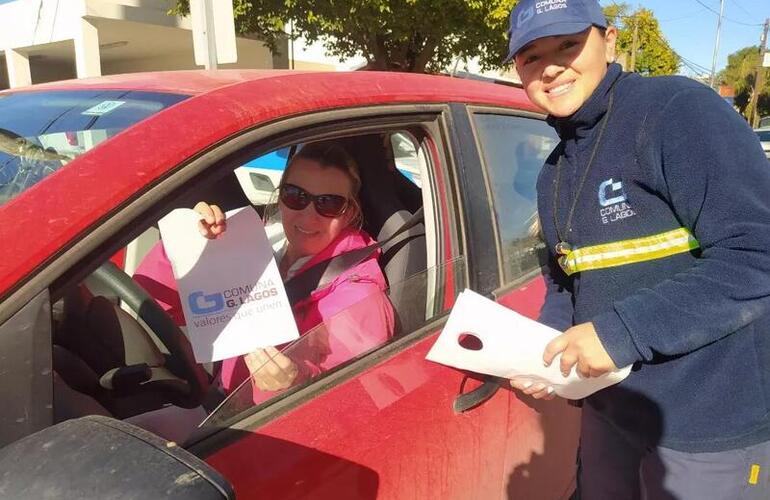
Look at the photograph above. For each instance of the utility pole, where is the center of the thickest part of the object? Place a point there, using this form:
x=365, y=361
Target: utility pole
x=759, y=78
x=213, y=30
x=716, y=44
x=211, y=37
x=634, y=44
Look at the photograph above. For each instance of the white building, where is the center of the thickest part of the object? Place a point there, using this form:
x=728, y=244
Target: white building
x=46, y=40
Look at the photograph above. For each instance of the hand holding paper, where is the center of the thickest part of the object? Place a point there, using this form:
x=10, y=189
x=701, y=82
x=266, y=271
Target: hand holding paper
x=213, y=221
x=580, y=347
x=232, y=293
x=512, y=347
x=270, y=369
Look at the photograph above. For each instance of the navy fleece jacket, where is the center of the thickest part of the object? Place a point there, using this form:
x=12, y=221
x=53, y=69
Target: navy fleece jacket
x=696, y=325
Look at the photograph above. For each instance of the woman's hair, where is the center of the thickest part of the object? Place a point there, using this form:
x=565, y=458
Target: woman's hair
x=331, y=155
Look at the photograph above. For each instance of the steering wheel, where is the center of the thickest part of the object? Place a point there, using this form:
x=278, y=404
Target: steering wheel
x=181, y=361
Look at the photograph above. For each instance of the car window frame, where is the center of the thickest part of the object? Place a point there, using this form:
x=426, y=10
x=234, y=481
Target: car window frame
x=505, y=285
x=208, y=440
x=476, y=222
x=26, y=340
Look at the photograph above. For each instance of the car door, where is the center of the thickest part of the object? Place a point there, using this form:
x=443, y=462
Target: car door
x=512, y=147
x=382, y=426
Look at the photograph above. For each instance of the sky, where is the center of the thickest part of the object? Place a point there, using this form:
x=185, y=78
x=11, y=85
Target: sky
x=690, y=27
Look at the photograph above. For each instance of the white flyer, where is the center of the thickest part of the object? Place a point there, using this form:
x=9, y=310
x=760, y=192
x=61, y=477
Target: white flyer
x=512, y=345
x=231, y=291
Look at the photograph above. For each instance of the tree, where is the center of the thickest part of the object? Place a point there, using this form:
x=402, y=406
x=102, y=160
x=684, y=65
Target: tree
x=739, y=74
x=654, y=56
x=403, y=35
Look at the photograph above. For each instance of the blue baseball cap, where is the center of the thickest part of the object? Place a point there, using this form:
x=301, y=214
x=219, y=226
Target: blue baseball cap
x=533, y=19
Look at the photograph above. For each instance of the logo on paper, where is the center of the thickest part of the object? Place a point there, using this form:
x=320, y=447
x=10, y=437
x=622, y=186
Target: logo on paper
x=220, y=307
x=614, y=202
x=200, y=303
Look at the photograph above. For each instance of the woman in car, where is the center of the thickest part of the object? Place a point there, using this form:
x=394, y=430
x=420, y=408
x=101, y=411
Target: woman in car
x=321, y=216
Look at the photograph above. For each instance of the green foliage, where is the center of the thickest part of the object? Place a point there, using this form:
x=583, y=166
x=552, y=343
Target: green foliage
x=424, y=35
x=739, y=74
x=654, y=55
x=404, y=35
x=615, y=12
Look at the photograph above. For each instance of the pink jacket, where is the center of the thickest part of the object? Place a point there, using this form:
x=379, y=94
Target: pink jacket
x=354, y=309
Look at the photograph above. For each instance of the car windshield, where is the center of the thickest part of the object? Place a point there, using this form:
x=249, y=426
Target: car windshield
x=42, y=131
x=764, y=135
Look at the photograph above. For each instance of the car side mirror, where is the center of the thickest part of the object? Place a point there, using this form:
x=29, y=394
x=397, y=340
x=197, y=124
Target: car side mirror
x=97, y=457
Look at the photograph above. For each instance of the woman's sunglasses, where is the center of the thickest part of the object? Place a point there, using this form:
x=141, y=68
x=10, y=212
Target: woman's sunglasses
x=327, y=205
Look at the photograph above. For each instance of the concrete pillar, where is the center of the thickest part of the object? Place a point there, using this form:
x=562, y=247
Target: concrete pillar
x=17, y=63
x=87, y=59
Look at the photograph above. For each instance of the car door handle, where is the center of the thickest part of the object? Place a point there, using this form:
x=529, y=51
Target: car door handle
x=479, y=395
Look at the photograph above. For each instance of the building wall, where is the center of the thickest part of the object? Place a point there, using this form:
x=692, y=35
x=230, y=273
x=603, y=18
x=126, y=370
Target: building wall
x=313, y=66
x=114, y=36
x=44, y=71
x=251, y=55
x=3, y=73
x=24, y=23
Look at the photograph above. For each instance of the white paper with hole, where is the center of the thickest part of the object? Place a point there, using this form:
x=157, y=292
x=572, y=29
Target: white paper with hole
x=512, y=345
x=231, y=291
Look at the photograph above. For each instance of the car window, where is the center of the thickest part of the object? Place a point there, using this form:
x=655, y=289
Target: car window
x=514, y=150
x=260, y=177
x=764, y=135
x=63, y=126
x=406, y=156
x=345, y=333
x=94, y=323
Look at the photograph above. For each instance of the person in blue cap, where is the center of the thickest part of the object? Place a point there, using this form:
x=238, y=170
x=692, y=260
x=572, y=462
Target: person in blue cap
x=655, y=207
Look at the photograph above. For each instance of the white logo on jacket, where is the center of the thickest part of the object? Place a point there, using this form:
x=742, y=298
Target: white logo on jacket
x=613, y=201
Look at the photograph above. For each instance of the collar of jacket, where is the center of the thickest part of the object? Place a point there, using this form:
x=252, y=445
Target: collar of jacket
x=580, y=123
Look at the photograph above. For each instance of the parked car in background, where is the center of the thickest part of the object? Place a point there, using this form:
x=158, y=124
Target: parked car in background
x=764, y=139
x=87, y=168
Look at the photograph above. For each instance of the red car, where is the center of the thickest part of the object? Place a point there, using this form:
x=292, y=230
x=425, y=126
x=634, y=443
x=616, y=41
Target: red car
x=88, y=167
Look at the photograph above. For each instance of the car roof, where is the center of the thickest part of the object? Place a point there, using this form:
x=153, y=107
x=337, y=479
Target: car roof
x=195, y=82
x=222, y=104
x=178, y=82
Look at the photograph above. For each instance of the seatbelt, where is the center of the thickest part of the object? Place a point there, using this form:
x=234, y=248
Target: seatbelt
x=323, y=273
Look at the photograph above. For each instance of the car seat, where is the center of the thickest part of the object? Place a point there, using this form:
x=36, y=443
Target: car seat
x=388, y=200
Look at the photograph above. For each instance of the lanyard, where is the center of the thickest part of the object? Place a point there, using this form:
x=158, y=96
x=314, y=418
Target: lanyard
x=562, y=247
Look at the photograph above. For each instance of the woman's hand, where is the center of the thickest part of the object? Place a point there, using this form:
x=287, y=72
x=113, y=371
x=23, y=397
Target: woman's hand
x=271, y=370
x=212, y=222
x=580, y=345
